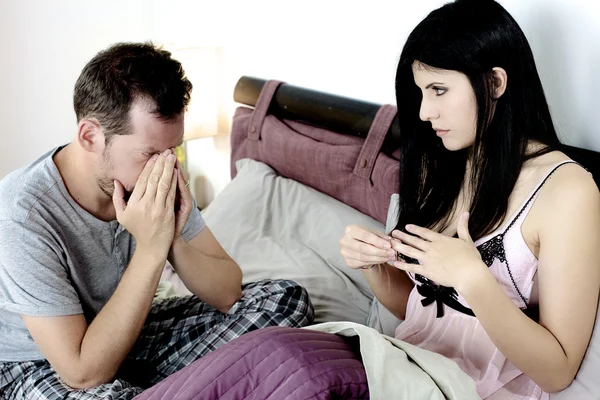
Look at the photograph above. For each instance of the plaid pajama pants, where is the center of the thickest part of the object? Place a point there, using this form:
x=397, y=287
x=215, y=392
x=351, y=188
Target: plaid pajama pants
x=177, y=332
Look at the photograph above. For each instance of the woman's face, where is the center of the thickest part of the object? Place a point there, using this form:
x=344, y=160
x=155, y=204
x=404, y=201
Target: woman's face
x=449, y=104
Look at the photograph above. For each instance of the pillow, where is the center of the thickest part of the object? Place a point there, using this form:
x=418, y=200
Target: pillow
x=271, y=363
x=586, y=384
x=277, y=228
x=380, y=318
x=347, y=168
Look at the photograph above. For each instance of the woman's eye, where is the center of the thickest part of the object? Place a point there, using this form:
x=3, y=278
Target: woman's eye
x=439, y=91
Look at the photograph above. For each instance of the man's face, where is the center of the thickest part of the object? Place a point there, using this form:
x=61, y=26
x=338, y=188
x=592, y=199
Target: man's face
x=126, y=155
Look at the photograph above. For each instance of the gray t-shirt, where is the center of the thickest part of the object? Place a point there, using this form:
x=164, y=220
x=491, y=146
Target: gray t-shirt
x=55, y=258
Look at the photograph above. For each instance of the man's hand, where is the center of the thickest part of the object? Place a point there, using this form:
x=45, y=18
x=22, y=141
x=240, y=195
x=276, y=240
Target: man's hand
x=184, y=208
x=149, y=215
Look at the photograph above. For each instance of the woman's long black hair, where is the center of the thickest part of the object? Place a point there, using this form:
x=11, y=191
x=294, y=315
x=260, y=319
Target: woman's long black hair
x=472, y=37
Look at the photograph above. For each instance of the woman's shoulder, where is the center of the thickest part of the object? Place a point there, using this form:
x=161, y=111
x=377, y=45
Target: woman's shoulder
x=569, y=186
x=567, y=177
x=567, y=206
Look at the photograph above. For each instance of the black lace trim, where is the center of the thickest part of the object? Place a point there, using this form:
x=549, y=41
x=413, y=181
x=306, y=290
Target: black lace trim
x=490, y=250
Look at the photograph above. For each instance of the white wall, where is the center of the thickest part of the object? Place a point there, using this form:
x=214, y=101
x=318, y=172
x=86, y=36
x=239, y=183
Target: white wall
x=565, y=38
x=344, y=47
x=340, y=47
x=46, y=44
x=351, y=49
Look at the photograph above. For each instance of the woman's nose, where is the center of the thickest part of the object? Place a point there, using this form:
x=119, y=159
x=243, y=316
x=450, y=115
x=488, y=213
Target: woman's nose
x=428, y=112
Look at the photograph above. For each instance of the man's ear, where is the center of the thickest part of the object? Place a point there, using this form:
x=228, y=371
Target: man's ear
x=500, y=80
x=90, y=135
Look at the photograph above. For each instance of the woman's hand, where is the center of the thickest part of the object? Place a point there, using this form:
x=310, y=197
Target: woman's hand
x=361, y=247
x=445, y=260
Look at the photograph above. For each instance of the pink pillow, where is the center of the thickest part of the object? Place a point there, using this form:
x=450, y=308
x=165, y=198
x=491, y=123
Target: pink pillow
x=348, y=168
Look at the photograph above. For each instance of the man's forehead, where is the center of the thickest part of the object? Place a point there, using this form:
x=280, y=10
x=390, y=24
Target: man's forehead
x=152, y=133
x=159, y=136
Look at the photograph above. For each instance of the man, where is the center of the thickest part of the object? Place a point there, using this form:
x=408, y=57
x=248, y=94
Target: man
x=85, y=232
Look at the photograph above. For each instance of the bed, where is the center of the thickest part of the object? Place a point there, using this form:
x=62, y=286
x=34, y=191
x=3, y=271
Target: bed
x=306, y=164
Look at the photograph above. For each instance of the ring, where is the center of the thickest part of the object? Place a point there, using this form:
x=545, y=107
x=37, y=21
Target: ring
x=187, y=184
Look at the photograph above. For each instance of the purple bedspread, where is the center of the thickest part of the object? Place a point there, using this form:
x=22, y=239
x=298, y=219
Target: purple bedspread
x=272, y=363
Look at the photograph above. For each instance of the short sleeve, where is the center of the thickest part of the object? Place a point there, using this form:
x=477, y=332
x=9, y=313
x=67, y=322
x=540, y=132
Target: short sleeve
x=195, y=224
x=34, y=278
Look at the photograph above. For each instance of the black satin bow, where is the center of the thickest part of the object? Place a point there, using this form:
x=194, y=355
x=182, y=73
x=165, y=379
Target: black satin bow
x=441, y=295
x=490, y=250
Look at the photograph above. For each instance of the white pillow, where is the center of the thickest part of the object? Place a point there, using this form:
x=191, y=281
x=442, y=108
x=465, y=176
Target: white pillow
x=277, y=228
x=380, y=318
x=586, y=384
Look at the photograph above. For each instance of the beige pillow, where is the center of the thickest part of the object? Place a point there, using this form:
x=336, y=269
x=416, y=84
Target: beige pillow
x=277, y=228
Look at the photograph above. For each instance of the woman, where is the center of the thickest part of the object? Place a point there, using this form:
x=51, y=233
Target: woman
x=494, y=260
